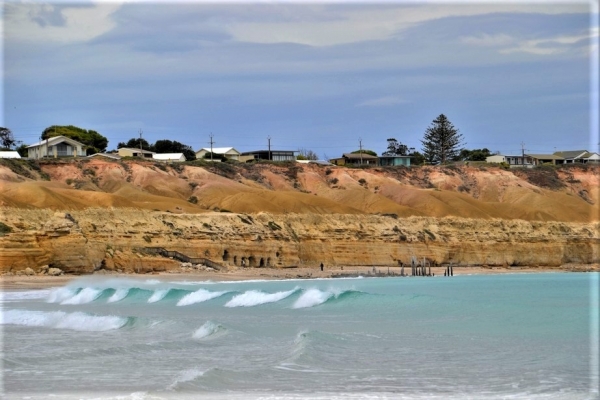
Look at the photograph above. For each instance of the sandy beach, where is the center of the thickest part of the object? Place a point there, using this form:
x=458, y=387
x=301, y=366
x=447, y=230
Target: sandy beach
x=13, y=282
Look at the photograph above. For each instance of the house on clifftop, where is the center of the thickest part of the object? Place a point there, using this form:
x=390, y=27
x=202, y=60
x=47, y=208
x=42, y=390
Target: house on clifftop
x=54, y=147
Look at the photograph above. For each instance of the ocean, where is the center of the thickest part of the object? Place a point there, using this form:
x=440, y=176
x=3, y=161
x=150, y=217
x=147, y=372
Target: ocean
x=509, y=336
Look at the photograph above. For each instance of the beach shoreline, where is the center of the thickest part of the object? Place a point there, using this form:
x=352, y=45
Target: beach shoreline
x=20, y=282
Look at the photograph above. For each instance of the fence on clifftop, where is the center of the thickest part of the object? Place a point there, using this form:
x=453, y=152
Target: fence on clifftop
x=180, y=256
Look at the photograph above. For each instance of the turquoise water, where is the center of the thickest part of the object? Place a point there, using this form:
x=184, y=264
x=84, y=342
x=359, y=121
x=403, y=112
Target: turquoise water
x=494, y=336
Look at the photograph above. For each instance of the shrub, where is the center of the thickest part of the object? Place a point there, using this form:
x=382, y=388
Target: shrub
x=362, y=181
x=4, y=229
x=193, y=200
x=334, y=181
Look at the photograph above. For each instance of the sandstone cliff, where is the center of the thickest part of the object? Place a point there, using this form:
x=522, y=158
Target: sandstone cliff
x=84, y=216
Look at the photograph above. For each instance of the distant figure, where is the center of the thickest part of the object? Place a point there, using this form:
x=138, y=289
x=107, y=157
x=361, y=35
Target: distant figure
x=321, y=266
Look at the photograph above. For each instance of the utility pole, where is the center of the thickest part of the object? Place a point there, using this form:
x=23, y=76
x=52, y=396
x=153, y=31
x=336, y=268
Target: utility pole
x=269, y=139
x=211, y=147
x=523, y=152
x=141, y=154
x=360, y=151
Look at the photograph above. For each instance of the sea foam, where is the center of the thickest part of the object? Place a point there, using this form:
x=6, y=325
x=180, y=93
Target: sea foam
x=86, y=295
x=199, y=296
x=6, y=297
x=255, y=297
x=76, y=321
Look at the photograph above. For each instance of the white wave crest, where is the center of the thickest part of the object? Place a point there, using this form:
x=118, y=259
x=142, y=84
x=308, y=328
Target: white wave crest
x=158, y=295
x=255, y=297
x=314, y=297
x=185, y=376
x=198, y=296
x=118, y=295
x=209, y=328
x=76, y=321
x=61, y=294
x=86, y=295
x=6, y=297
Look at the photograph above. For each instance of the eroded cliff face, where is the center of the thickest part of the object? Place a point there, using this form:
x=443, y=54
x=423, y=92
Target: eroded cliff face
x=81, y=242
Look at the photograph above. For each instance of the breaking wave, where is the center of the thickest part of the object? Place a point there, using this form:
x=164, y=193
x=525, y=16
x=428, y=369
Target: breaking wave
x=158, y=295
x=187, y=375
x=86, y=295
x=315, y=297
x=255, y=297
x=118, y=295
x=61, y=294
x=76, y=321
x=199, y=296
x=208, y=329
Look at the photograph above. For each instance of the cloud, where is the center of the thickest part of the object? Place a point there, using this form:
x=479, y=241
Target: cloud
x=40, y=23
x=487, y=40
x=358, y=24
x=552, y=45
x=385, y=101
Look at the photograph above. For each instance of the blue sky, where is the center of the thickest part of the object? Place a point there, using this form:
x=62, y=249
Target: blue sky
x=317, y=76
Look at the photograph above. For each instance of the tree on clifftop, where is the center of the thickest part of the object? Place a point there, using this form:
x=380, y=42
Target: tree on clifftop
x=93, y=141
x=442, y=141
x=395, y=148
x=6, y=138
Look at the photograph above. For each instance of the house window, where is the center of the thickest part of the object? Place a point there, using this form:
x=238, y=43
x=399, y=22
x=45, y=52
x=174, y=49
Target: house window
x=62, y=150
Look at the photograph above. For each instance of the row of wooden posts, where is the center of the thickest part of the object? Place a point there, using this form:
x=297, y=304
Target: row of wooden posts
x=423, y=270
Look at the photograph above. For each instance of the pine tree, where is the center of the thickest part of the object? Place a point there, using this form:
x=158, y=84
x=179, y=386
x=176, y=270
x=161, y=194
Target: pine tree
x=442, y=141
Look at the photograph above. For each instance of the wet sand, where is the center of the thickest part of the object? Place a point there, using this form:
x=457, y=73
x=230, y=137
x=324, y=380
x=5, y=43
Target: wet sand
x=237, y=274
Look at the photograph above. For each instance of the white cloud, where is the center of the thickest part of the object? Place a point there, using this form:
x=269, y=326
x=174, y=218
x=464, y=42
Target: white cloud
x=488, y=40
x=355, y=25
x=385, y=101
x=38, y=22
x=548, y=46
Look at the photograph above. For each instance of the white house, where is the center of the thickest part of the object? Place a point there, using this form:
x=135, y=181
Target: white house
x=513, y=161
x=9, y=154
x=228, y=152
x=169, y=157
x=57, y=146
x=133, y=152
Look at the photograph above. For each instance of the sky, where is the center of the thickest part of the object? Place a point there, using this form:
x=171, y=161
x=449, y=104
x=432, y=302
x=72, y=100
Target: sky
x=327, y=77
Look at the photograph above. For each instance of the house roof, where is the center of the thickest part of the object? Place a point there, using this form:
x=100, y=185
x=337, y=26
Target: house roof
x=219, y=150
x=168, y=156
x=357, y=156
x=107, y=155
x=570, y=153
x=55, y=140
x=9, y=154
x=588, y=154
x=266, y=151
x=137, y=150
x=545, y=156
x=396, y=156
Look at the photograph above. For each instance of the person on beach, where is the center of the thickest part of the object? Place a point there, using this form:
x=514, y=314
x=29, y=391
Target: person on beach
x=321, y=266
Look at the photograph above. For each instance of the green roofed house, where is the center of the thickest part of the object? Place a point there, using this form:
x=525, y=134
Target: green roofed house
x=57, y=146
x=540, y=159
x=578, y=156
